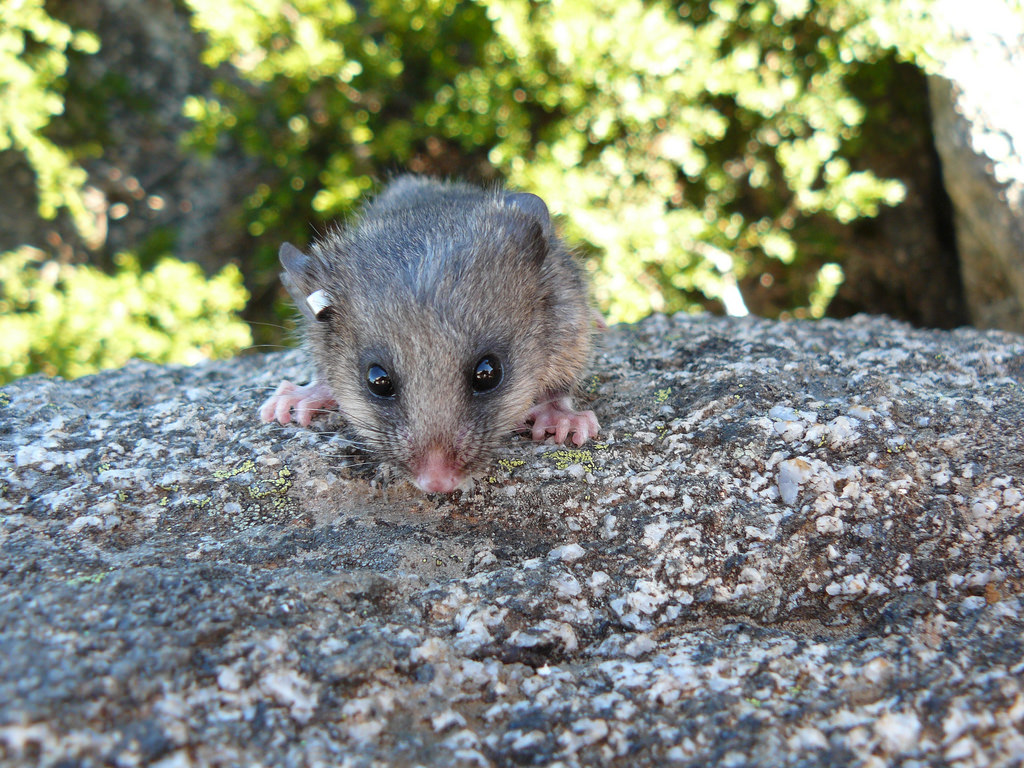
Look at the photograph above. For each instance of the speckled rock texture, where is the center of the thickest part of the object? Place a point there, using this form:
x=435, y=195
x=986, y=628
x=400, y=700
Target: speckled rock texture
x=794, y=545
x=979, y=133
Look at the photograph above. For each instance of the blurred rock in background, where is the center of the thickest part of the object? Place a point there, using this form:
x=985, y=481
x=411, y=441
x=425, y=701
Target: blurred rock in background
x=979, y=132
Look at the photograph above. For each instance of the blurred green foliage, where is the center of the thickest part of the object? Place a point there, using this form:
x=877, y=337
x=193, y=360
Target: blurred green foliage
x=70, y=320
x=33, y=59
x=330, y=100
x=698, y=140
x=690, y=146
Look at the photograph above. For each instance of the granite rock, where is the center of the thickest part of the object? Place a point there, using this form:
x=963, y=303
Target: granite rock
x=794, y=544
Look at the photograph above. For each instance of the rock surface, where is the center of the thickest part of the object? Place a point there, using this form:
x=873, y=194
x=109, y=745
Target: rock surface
x=979, y=134
x=795, y=544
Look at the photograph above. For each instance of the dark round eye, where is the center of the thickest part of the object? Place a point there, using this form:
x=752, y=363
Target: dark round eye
x=487, y=374
x=379, y=381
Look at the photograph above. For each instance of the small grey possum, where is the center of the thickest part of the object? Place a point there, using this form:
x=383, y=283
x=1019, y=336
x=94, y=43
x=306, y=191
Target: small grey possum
x=440, y=320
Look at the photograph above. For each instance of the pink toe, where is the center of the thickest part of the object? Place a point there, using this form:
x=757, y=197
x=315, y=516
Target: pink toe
x=284, y=410
x=267, y=411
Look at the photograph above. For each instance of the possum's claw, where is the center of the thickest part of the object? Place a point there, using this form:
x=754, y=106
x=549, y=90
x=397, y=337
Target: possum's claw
x=304, y=401
x=558, y=417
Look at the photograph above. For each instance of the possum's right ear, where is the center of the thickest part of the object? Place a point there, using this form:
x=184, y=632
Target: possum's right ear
x=300, y=280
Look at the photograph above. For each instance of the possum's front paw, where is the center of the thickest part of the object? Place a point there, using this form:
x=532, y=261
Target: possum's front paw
x=303, y=401
x=558, y=417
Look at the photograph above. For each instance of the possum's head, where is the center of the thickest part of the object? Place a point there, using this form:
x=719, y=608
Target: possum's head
x=430, y=337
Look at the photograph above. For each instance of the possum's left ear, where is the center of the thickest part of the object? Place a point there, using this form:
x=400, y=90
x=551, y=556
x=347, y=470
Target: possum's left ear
x=533, y=207
x=300, y=279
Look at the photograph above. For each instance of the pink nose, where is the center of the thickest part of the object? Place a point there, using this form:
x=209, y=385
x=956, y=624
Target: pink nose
x=438, y=473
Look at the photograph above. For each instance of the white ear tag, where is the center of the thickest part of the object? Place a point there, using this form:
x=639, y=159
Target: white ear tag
x=318, y=301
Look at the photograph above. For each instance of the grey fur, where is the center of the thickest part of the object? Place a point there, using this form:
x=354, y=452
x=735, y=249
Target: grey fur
x=430, y=278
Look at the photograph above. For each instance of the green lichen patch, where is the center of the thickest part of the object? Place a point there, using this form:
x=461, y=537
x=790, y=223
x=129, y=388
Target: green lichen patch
x=566, y=457
x=89, y=578
x=277, y=487
x=246, y=466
